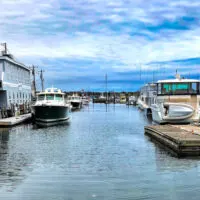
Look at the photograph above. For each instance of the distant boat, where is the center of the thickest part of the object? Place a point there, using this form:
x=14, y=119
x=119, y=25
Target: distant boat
x=147, y=97
x=100, y=99
x=131, y=100
x=177, y=101
x=85, y=100
x=122, y=98
x=75, y=101
x=50, y=107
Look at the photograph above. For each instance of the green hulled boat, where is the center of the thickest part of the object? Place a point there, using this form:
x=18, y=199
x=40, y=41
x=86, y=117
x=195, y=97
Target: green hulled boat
x=50, y=107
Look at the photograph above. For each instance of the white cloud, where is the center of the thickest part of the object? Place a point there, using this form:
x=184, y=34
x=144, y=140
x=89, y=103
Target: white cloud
x=32, y=28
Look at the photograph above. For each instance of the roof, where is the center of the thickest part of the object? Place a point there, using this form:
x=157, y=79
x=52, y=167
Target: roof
x=14, y=62
x=51, y=91
x=178, y=81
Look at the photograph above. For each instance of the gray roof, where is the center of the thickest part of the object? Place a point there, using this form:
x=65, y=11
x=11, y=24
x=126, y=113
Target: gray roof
x=14, y=62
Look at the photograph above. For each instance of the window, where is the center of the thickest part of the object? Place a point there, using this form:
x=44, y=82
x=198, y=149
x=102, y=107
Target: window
x=178, y=88
x=50, y=97
x=193, y=88
x=41, y=97
x=58, y=97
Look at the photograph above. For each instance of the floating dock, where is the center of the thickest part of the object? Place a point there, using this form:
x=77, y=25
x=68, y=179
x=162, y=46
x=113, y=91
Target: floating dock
x=12, y=121
x=182, y=140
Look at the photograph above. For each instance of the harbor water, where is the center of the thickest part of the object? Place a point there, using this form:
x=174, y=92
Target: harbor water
x=102, y=153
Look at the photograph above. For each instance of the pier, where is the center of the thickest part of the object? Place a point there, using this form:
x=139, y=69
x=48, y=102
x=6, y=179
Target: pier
x=182, y=140
x=12, y=121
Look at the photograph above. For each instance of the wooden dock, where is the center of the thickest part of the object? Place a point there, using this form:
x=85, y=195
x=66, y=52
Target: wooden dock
x=183, y=140
x=12, y=121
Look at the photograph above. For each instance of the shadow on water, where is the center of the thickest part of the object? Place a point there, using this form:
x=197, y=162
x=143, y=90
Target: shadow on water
x=10, y=163
x=43, y=126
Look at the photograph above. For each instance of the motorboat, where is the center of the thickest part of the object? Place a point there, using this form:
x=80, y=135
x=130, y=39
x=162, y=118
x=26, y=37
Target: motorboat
x=75, y=101
x=50, y=107
x=147, y=97
x=85, y=100
x=177, y=101
x=131, y=100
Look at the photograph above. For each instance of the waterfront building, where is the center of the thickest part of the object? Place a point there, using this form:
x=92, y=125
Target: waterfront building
x=15, y=83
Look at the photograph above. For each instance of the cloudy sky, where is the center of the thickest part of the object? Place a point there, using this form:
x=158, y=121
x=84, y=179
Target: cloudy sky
x=77, y=42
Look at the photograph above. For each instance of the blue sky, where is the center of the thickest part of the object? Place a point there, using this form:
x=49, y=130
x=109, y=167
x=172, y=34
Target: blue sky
x=77, y=42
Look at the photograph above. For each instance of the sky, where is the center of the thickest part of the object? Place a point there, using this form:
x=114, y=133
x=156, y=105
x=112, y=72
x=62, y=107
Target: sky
x=77, y=42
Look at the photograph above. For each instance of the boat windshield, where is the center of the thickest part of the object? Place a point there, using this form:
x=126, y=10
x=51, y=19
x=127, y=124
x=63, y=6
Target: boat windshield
x=41, y=97
x=75, y=98
x=58, y=97
x=50, y=97
x=177, y=88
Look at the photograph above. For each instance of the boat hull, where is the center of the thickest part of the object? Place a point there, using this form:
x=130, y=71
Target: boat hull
x=51, y=115
x=176, y=114
x=76, y=105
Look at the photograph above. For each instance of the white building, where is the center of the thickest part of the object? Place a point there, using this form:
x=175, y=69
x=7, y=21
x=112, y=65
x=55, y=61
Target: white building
x=15, y=82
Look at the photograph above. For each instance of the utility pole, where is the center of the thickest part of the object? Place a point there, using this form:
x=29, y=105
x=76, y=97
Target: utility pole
x=33, y=83
x=42, y=79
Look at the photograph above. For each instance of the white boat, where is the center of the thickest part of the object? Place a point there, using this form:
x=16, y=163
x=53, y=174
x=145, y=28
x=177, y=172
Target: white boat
x=85, y=100
x=75, y=101
x=147, y=97
x=131, y=100
x=177, y=101
x=50, y=107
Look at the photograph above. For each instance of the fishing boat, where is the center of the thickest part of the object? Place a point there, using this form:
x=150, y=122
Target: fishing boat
x=75, y=101
x=177, y=101
x=50, y=107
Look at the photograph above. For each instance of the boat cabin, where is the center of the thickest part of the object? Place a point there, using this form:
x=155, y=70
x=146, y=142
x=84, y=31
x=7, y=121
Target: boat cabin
x=51, y=94
x=74, y=97
x=178, y=87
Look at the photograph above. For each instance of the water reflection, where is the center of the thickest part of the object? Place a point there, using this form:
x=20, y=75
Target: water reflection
x=11, y=162
x=101, y=154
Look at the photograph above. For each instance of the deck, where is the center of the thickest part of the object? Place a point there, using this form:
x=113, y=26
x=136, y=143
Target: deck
x=12, y=121
x=183, y=140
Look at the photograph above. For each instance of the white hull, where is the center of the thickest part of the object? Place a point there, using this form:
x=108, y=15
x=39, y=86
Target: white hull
x=175, y=113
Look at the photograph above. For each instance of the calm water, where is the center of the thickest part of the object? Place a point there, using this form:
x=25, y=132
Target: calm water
x=101, y=154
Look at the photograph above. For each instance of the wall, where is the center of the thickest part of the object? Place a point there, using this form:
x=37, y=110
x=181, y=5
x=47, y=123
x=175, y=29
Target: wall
x=17, y=83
